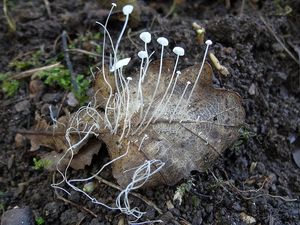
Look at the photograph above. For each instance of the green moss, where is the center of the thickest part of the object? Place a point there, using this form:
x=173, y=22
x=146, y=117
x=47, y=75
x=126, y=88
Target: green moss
x=25, y=64
x=245, y=135
x=8, y=86
x=39, y=220
x=61, y=77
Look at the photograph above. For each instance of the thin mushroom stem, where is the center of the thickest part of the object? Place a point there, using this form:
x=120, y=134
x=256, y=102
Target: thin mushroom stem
x=119, y=79
x=106, y=32
x=103, y=69
x=179, y=52
x=127, y=108
x=163, y=98
x=140, y=100
x=127, y=10
x=170, y=96
x=163, y=42
x=208, y=43
x=146, y=38
x=178, y=104
x=142, y=141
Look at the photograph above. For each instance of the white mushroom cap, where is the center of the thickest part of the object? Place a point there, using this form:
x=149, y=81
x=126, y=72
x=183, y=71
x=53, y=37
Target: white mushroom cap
x=142, y=54
x=121, y=63
x=145, y=36
x=208, y=42
x=129, y=78
x=178, y=72
x=163, y=41
x=178, y=51
x=127, y=9
x=189, y=82
x=114, y=4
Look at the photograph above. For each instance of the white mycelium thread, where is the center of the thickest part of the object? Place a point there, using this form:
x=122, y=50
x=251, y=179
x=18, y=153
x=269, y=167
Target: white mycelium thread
x=127, y=102
x=53, y=118
x=139, y=178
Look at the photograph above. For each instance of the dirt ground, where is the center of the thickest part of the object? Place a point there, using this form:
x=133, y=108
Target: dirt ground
x=257, y=178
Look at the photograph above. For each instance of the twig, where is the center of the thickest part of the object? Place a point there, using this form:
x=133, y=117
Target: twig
x=278, y=39
x=40, y=132
x=241, y=192
x=68, y=61
x=297, y=49
x=274, y=196
x=80, y=221
x=47, y=5
x=28, y=73
x=150, y=203
x=50, y=133
x=82, y=51
x=172, y=9
x=61, y=104
x=82, y=208
x=12, y=101
x=11, y=23
x=242, y=8
x=227, y=4
x=130, y=39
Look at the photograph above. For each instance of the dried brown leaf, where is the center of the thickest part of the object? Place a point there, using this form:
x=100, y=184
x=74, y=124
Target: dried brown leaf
x=52, y=137
x=80, y=160
x=85, y=155
x=196, y=136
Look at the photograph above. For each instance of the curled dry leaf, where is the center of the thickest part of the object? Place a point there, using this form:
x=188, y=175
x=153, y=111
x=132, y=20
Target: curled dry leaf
x=80, y=160
x=53, y=137
x=186, y=136
x=50, y=136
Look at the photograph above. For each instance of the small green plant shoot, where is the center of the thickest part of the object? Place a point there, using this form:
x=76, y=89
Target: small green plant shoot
x=40, y=164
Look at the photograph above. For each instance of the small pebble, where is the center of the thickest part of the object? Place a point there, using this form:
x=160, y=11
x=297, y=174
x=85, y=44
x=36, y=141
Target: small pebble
x=17, y=216
x=52, y=97
x=252, y=89
x=71, y=100
x=247, y=219
x=296, y=156
x=36, y=88
x=20, y=140
x=22, y=106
